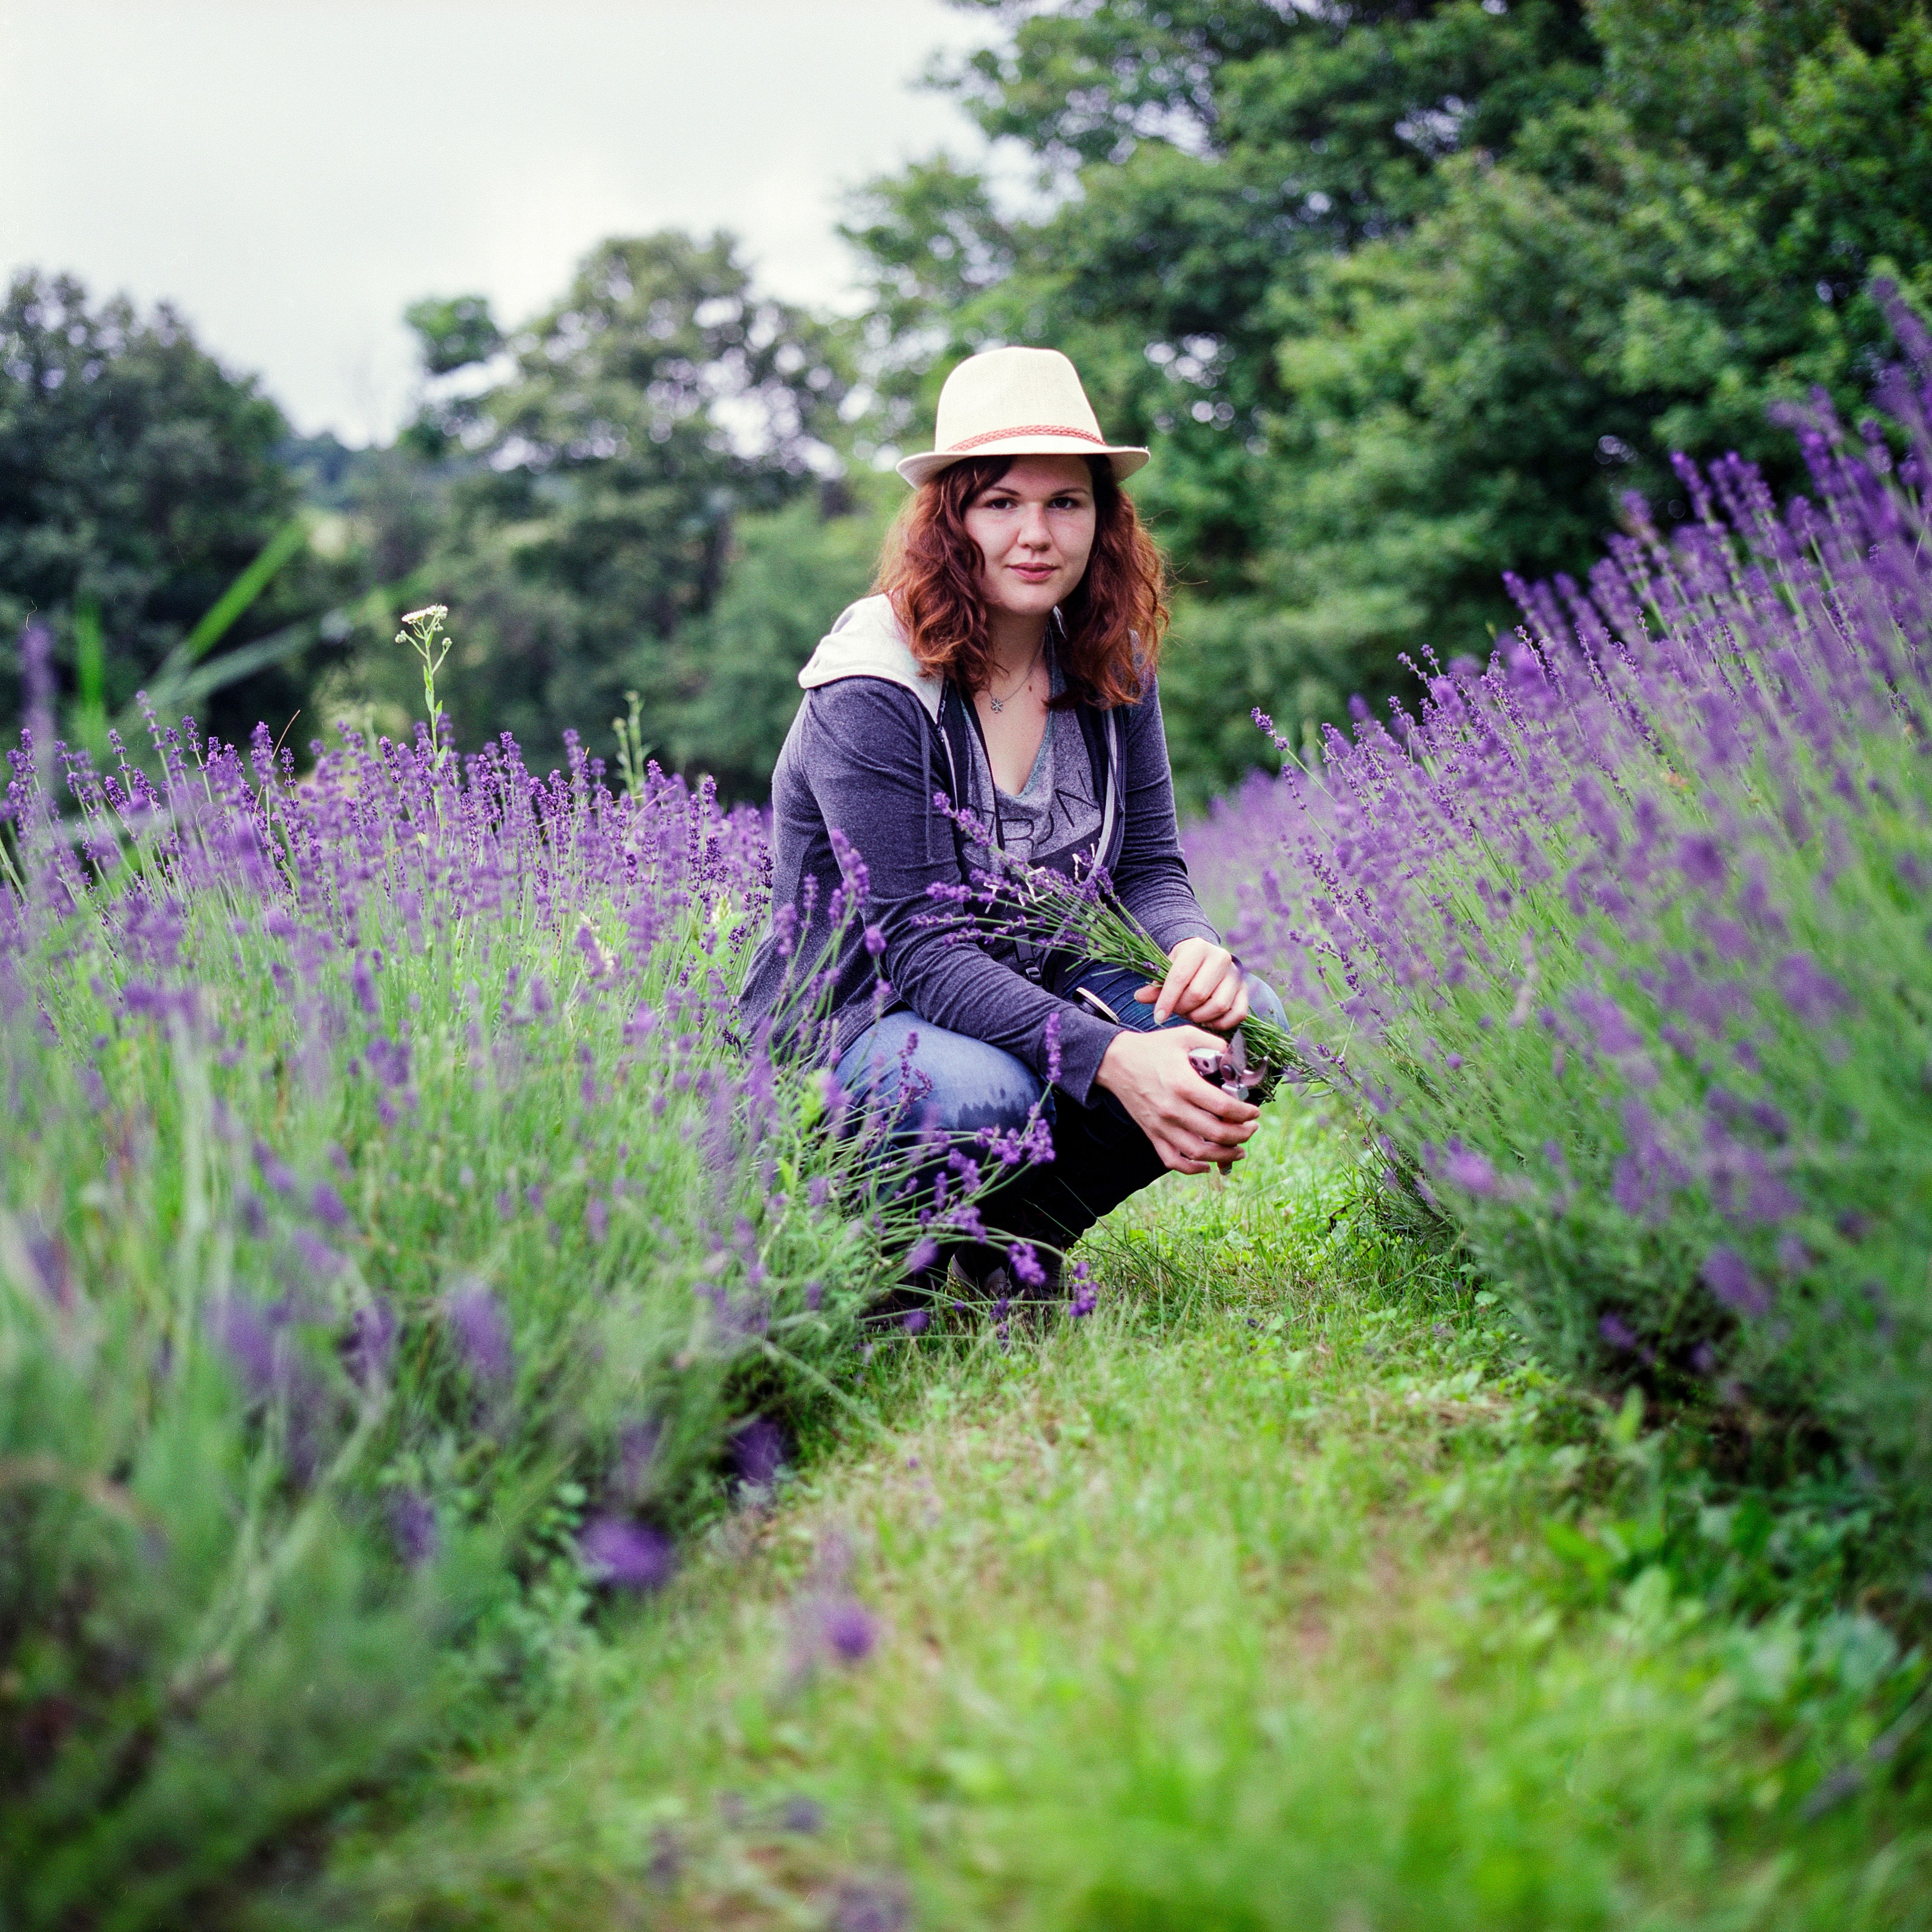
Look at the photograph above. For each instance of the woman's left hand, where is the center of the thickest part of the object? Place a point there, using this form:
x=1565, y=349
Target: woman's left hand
x=1204, y=985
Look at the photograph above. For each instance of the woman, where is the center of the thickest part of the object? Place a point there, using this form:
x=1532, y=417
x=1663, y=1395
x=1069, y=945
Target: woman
x=1007, y=662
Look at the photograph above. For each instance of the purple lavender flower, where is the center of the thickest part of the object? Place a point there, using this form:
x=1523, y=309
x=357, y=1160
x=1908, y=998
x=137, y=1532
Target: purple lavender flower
x=1473, y=1172
x=801, y=1815
x=277, y=1173
x=327, y=1207
x=916, y=1321
x=388, y=1061
x=481, y=1332
x=363, y=983
x=251, y=1343
x=667, y=1860
x=1701, y=860
x=1769, y=1199
x=321, y=1260
x=1728, y=1277
x=626, y=1554
x=865, y=1905
x=1025, y=1264
x=370, y=1344
x=1812, y=994
x=47, y=1256
x=1086, y=1290
x=758, y=1449
x=412, y=1527
x=1689, y=774
x=1608, y=1025
x=849, y=1631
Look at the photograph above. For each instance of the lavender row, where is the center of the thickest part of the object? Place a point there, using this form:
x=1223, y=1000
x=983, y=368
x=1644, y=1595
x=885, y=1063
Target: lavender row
x=401, y=1241
x=1620, y=947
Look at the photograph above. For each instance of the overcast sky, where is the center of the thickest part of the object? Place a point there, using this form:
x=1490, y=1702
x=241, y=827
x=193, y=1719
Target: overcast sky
x=292, y=172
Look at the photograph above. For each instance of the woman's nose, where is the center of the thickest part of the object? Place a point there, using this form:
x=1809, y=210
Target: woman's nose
x=1034, y=532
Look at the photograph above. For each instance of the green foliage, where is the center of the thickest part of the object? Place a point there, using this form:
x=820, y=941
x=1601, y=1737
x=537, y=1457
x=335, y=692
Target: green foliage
x=453, y=332
x=931, y=241
x=196, y=1660
x=138, y=479
x=1404, y=294
x=733, y=671
x=1842, y=1106
x=578, y=514
x=1470, y=396
x=1407, y=295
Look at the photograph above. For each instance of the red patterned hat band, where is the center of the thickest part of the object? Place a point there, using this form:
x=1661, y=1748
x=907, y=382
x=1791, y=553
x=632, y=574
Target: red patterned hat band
x=1024, y=429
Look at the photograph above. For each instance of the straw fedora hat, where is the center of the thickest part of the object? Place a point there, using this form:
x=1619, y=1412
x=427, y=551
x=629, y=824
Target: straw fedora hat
x=1016, y=402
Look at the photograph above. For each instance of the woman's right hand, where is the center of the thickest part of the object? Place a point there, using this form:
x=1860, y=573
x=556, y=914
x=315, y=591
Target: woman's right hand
x=1192, y=1124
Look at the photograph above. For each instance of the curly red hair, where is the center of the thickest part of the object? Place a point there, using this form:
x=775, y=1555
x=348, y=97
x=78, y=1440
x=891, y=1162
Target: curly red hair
x=1115, y=620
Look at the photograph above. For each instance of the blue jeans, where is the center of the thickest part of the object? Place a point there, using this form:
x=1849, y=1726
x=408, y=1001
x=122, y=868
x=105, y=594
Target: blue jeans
x=1100, y=1157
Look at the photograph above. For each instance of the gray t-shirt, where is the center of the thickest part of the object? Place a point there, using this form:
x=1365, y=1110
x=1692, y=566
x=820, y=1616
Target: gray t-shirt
x=1054, y=817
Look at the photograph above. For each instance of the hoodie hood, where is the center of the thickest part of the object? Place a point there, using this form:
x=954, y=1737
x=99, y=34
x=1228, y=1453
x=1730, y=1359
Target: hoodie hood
x=869, y=641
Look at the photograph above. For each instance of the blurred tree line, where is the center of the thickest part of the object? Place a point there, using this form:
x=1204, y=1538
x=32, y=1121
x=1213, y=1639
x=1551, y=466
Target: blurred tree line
x=1404, y=294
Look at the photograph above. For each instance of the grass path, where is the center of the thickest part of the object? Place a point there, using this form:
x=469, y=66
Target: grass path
x=1238, y=1606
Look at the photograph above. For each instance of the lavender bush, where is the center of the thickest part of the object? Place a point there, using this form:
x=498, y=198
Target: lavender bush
x=394, y=1235
x=1622, y=948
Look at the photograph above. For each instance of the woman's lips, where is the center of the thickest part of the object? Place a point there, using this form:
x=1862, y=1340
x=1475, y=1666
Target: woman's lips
x=1034, y=573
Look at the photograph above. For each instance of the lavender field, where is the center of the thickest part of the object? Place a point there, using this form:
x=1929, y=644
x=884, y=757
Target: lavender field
x=408, y=1262
x=399, y=1249
x=1622, y=947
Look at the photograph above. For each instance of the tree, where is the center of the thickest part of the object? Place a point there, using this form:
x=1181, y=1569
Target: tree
x=139, y=479
x=1657, y=271
x=1206, y=158
x=1408, y=293
x=585, y=503
x=736, y=668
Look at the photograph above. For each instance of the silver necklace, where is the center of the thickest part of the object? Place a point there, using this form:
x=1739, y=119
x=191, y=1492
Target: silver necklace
x=1000, y=703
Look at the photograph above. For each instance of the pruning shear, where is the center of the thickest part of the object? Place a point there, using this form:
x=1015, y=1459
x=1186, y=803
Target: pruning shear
x=1226, y=1068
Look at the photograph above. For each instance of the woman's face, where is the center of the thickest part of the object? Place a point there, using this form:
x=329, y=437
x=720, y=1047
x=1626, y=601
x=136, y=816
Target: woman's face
x=1035, y=531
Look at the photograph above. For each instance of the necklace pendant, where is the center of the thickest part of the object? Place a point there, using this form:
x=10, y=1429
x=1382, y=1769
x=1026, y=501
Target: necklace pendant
x=997, y=703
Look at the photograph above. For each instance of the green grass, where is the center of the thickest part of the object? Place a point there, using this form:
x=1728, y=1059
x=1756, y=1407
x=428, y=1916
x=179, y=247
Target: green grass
x=1285, y=1592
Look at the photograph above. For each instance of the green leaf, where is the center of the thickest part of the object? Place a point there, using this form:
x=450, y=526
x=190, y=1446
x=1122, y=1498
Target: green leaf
x=242, y=592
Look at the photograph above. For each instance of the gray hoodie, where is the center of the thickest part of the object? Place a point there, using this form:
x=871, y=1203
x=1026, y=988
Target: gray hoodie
x=875, y=739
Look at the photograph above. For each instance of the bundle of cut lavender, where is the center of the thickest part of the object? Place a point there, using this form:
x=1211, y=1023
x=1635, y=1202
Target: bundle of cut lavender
x=1030, y=906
